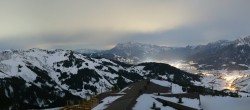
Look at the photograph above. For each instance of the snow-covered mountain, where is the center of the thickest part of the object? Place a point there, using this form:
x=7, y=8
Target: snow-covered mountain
x=223, y=54
x=134, y=53
x=243, y=41
x=39, y=78
x=231, y=55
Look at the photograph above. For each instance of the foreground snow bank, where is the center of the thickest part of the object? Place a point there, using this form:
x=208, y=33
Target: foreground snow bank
x=224, y=103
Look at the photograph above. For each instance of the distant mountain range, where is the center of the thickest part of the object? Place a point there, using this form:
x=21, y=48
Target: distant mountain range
x=223, y=54
x=232, y=55
x=134, y=53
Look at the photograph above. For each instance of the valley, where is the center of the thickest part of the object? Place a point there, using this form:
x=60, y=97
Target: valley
x=52, y=78
x=223, y=80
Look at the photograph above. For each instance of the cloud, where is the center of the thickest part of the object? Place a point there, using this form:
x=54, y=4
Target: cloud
x=100, y=24
x=32, y=17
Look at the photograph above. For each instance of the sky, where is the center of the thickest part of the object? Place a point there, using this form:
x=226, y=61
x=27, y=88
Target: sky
x=101, y=24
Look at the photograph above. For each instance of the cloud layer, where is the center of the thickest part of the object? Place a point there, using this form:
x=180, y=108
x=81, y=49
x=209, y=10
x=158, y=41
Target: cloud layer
x=102, y=24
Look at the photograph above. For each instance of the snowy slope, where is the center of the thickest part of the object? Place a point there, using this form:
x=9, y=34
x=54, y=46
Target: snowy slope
x=57, y=70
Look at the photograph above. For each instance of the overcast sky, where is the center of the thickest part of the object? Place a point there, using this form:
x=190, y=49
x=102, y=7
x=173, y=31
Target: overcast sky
x=100, y=24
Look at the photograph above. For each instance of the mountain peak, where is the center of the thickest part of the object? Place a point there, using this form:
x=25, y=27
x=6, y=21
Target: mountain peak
x=243, y=41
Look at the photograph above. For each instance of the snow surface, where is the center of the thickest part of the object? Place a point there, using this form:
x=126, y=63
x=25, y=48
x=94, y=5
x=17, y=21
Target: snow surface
x=106, y=102
x=243, y=94
x=194, y=103
x=145, y=102
x=175, y=87
x=224, y=103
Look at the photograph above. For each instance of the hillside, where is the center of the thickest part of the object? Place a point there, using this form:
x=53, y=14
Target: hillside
x=39, y=78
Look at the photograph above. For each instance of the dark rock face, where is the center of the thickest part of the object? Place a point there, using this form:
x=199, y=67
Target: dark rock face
x=19, y=95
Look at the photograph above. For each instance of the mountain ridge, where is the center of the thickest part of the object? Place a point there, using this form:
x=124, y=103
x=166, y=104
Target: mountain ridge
x=38, y=78
x=223, y=51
